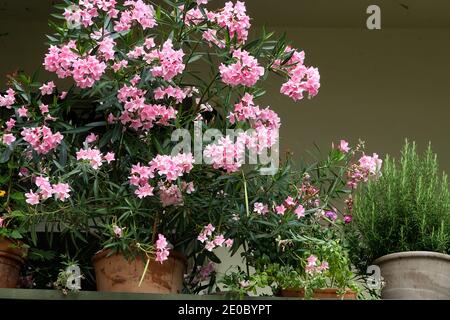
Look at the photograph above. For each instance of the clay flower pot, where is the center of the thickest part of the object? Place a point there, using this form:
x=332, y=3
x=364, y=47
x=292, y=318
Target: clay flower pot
x=12, y=258
x=415, y=275
x=114, y=273
x=320, y=294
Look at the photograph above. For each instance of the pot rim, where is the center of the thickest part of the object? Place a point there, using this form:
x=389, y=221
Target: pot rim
x=412, y=254
x=174, y=254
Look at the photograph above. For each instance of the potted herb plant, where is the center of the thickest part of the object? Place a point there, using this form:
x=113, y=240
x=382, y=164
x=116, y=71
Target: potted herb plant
x=402, y=224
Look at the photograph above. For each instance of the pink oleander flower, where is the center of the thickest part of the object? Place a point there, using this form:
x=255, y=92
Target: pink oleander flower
x=106, y=48
x=290, y=202
x=260, y=208
x=41, y=139
x=343, y=146
x=93, y=155
x=91, y=138
x=202, y=237
x=143, y=191
x=209, y=245
x=170, y=92
x=45, y=187
x=367, y=167
x=149, y=43
x=8, y=99
x=32, y=198
x=200, y=2
x=23, y=112
x=10, y=124
x=169, y=62
x=63, y=95
x=119, y=65
x=225, y=154
x=300, y=211
x=194, y=17
x=233, y=18
x=117, y=231
x=47, y=88
x=61, y=60
x=140, y=12
x=8, y=139
x=43, y=108
x=302, y=80
x=219, y=240
x=87, y=70
x=1, y=222
x=187, y=187
x=311, y=261
x=210, y=35
x=172, y=167
x=109, y=157
x=162, y=249
x=209, y=229
x=170, y=196
x=281, y=209
x=245, y=71
x=139, y=115
x=61, y=191
x=229, y=243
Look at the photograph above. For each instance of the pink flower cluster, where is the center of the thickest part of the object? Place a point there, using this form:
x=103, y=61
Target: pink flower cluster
x=169, y=62
x=228, y=154
x=260, y=208
x=288, y=204
x=301, y=78
x=41, y=139
x=225, y=154
x=172, y=195
x=366, y=168
x=8, y=139
x=95, y=157
x=233, y=18
x=87, y=11
x=47, y=88
x=245, y=71
x=211, y=242
x=65, y=63
x=162, y=249
x=8, y=99
x=170, y=92
x=312, y=267
x=140, y=115
x=46, y=190
x=170, y=167
x=142, y=13
x=106, y=48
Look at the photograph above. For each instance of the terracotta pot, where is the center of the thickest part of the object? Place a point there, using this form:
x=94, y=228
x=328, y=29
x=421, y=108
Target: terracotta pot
x=114, y=273
x=415, y=275
x=12, y=255
x=320, y=294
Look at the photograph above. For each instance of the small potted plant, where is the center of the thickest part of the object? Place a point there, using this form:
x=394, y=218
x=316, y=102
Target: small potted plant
x=29, y=146
x=402, y=224
x=291, y=231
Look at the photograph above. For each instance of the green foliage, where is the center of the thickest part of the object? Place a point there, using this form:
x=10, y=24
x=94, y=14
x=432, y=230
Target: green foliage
x=406, y=209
